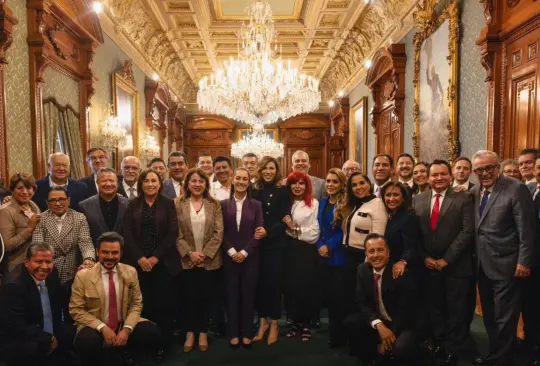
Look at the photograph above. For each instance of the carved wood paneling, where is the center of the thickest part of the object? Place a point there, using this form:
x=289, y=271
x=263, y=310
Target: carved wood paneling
x=57, y=38
x=386, y=80
x=207, y=134
x=7, y=21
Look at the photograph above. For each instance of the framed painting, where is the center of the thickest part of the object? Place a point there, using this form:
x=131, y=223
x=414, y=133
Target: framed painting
x=436, y=82
x=126, y=109
x=358, y=132
x=243, y=132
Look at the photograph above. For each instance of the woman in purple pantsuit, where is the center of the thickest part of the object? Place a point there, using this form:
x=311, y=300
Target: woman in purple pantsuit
x=241, y=217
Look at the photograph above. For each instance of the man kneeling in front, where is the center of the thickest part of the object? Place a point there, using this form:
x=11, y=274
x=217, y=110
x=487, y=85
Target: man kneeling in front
x=106, y=305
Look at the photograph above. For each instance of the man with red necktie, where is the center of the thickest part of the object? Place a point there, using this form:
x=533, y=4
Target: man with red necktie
x=106, y=304
x=446, y=223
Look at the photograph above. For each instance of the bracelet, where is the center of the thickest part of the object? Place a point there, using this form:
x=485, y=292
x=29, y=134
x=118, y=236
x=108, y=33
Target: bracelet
x=403, y=260
x=190, y=253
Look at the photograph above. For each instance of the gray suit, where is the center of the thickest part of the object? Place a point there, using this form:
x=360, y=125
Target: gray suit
x=318, y=187
x=91, y=209
x=504, y=238
x=168, y=189
x=452, y=240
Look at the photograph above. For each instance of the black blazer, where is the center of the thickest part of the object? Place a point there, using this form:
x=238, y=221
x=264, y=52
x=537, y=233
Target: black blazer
x=90, y=182
x=21, y=315
x=276, y=204
x=403, y=236
x=77, y=193
x=167, y=233
x=398, y=297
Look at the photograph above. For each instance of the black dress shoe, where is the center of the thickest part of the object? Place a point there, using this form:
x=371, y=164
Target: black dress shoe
x=127, y=360
x=536, y=363
x=482, y=361
x=160, y=356
x=234, y=346
x=439, y=352
x=247, y=345
x=451, y=359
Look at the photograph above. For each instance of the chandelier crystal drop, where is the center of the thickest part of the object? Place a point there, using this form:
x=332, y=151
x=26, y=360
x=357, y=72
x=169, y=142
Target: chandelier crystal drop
x=112, y=132
x=150, y=147
x=258, y=87
x=259, y=143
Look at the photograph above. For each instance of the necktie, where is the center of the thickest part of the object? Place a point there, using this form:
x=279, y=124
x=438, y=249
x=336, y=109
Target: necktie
x=113, y=308
x=46, y=307
x=131, y=192
x=376, y=278
x=483, y=204
x=378, y=192
x=435, y=212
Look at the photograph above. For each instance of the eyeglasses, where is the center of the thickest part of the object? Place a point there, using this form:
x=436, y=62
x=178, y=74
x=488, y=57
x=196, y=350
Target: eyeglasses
x=61, y=201
x=132, y=168
x=96, y=158
x=489, y=169
x=516, y=172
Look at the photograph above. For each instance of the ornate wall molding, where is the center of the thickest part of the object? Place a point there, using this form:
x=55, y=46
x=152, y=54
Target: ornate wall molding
x=7, y=21
x=57, y=39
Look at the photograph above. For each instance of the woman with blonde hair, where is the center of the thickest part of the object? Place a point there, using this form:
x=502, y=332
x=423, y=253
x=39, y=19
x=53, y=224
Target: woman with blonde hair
x=275, y=201
x=200, y=235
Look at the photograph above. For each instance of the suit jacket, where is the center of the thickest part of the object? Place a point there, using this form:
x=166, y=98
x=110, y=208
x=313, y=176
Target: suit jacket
x=252, y=218
x=397, y=296
x=72, y=245
x=168, y=189
x=213, y=233
x=77, y=192
x=276, y=204
x=90, y=182
x=331, y=235
x=403, y=236
x=21, y=314
x=453, y=238
x=92, y=210
x=318, y=188
x=167, y=232
x=3, y=193
x=14, y=229
x=87, y=305
x=121, y=189
x=505, y=234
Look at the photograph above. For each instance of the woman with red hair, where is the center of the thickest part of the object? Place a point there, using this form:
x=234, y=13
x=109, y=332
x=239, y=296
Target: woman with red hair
x=302, y=256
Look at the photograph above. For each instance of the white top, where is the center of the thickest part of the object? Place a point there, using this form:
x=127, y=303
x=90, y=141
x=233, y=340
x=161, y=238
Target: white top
x=433, y=198
x=219, y=192
x=533, y=179
x=371, y=217
x=198, y=220
x=105, y=312
x=127, y=188
x=60, y=222
x=52, y=184
x=239, y=205
x=306, y=218
x=382, y=309
x=177, y=187
x=466, y=184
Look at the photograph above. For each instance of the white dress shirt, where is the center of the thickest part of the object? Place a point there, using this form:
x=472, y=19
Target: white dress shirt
x=105, y=312
x=382, y=309
x=52, y=184
x=60, y=222
x=239, y=206
x=219, y=191
x=433, y=198
x=177, y=187
x=127, y=187
x=306, y=218
x=466, y=184
x=536, y=192
x=533, y=179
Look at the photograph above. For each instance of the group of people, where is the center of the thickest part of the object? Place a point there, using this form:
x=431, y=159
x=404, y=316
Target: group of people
x=395, y=261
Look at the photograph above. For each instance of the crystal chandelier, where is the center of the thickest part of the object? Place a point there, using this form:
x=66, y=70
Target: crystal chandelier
x=259, y=143
x=257, y=87
x=112, y=132
x=150, y=147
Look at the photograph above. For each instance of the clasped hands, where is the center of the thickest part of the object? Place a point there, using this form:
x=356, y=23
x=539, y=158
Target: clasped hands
x=196, y=259
x=435, y=264
x=148, y=263
x=113, y=339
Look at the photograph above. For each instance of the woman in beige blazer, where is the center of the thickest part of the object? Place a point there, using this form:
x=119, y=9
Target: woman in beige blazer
x=19, y=218
x=200, y=236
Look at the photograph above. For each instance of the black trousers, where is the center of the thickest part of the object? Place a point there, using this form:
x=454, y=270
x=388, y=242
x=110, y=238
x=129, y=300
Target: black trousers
x=448, y=304
x=501, y=305
x=241, y=284
x=353, y=258
x=271, y=277
x=531, y=307
x=334, y=290
x=90, y=345
x=302, y=261
x=158, y=291
x=199, y=290
x=64, y=294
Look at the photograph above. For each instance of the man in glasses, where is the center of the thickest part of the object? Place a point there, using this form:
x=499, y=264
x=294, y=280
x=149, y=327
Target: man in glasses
x=67, y=232
x=131, y=168
x=97, y=159
x=505, y=234
x=177, y=163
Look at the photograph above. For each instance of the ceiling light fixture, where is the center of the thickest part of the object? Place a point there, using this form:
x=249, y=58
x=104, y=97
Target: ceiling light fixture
x=258, y=87
x=259, y=143
x=155, y=77
x=331, y=103
x=367, y=64
x=97, y=6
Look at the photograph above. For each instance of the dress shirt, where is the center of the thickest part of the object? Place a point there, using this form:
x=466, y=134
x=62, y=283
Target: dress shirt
x=382, y=309
x=52, y=184
x=60, y=222
x=95, y=182
x=105, y=278
x=409, y=183
x=127, y=187
x=482, y=192
x=433, y=198
x=466, y=184
x=177, y=187
x=306, y=218
x=109, y=211
x=239, y=205
x=377, y=188
x=533, y=179
x=219, y=191
x=198, y=221
x=536, y=192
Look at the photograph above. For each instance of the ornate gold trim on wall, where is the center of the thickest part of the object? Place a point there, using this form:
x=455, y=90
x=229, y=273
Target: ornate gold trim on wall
x=428, y=21
x=362, y=103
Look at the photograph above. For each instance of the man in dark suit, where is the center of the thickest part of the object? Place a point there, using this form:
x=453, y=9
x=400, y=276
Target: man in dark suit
x=127, y=183
x=405, y=165
x=505, y=239
x=383, y=328
x=97, y=159
x=461, y=172
x=177, y=163
x=447, y=234
x=105, y=211
x=59, y=171
x=30, y=316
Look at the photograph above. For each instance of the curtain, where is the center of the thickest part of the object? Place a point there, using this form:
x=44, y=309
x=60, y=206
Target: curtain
x=50, y=130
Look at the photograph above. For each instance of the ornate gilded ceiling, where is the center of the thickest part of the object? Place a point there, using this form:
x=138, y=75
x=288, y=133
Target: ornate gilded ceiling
x=183, y=40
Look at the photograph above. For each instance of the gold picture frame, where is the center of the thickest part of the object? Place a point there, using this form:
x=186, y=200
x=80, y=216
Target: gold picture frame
x=358, y=132
x=241, y=132
x=437, y=118
x=125, y=94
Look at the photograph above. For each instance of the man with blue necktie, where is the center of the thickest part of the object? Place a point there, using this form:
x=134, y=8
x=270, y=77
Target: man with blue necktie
x=30, y=316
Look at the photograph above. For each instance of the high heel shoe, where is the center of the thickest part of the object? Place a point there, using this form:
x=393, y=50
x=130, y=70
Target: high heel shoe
x=203, y=347
x=234, y=345
x=261, y=333
x=273, y=335
x=188, y=348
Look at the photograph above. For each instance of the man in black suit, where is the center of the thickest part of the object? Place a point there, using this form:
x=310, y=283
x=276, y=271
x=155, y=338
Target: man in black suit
x=97, y=159
x=461, y=172
x=105, y=211
x=30, y=316
x=383, y=328
x=505, y=245
x=405, y=165
x=447, y=232
x=59, y=172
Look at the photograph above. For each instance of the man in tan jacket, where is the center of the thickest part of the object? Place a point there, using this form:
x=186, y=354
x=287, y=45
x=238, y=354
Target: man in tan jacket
x=109, y=321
